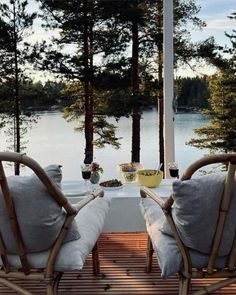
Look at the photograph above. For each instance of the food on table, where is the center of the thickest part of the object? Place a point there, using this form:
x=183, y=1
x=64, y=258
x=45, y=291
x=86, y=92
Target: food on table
x=150, y=177
x=128, y=172
x=128, y=167
x=111, y=183
x=129, y=176
x=150, y=173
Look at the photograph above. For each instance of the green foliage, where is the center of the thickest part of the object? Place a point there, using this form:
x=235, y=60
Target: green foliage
x=73, y=92
x=211, y=52
x=65, y=55
x=185, y=15
x=192, y=92
x=33, y=96
x=27, y=121
x=114, y=92
x=15, y=27
x=104, y=131
x=220, y=133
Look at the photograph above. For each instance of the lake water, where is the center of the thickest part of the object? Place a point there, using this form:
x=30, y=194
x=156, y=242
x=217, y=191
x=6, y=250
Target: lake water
x=53, y=141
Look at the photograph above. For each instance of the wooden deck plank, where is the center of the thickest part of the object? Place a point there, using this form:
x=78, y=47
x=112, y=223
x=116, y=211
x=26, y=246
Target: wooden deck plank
x=122, y=260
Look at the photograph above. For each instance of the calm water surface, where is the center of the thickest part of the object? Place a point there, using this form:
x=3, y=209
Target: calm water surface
x=53, y=141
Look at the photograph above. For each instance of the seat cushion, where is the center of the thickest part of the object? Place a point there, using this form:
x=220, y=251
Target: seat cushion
x=90, y=221
x=40, y=218
x=170, y=259
x=168, y=254
x=195, y=213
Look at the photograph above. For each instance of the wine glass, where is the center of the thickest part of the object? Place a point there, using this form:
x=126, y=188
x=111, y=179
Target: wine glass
x=86, y=174
x=174, y=169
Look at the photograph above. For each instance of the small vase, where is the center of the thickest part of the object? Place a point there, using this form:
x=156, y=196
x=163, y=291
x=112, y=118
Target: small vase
x=95, y=177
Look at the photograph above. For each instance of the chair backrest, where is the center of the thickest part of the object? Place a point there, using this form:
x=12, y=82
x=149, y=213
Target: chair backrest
x=230, y=162
x=54, y=192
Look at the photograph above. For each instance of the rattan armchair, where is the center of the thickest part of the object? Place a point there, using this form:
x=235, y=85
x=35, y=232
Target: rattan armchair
x=47, y=265
x=218, y=261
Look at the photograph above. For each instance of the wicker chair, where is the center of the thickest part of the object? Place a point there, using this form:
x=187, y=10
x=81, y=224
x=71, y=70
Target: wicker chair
x=22, y=265
x=226, y=272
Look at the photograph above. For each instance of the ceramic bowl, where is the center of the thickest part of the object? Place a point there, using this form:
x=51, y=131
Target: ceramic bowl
x=149, y=177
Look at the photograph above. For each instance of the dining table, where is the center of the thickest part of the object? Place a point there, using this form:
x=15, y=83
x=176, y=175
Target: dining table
x=124, y=214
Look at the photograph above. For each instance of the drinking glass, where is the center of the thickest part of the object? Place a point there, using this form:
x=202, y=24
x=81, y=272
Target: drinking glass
x=174, y=169
x=86, y=174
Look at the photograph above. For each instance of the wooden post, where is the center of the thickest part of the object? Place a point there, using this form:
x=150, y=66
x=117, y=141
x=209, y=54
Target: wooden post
x=169, y=153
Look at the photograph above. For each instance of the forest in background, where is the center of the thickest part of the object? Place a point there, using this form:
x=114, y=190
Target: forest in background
x=191, y=93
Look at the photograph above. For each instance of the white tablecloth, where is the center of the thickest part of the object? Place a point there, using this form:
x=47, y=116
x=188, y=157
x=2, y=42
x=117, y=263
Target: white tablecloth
x=124, y=214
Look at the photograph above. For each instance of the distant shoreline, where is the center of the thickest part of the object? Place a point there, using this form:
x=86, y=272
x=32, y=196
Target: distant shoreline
x=184, y=110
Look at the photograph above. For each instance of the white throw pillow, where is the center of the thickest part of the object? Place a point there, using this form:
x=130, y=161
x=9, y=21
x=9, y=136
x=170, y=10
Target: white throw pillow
x=195, y=213
x=40, y=218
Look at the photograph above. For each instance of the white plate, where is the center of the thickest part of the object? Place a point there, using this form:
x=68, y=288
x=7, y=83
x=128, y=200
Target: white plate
x=110, y=188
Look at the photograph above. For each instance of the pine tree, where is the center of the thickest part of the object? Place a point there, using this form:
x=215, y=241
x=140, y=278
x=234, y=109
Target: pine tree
x=220, y=133
x=79, y=24
x=15, y=27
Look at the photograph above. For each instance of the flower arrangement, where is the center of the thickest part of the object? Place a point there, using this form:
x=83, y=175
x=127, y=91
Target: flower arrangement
x=95, y=167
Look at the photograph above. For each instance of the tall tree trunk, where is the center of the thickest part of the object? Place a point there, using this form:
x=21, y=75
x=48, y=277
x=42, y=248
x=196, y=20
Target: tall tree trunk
x=91, y=73
x=87, y=94
x=16, y=126
x=136, y=114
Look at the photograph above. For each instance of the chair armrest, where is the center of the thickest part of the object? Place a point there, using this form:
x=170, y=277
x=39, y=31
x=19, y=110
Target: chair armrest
x=165, y=204
x=56, y=247
x=89, y=198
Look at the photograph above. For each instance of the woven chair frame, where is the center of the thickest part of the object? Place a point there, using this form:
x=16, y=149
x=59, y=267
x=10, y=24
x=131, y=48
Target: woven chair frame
x=229, y=272
x=26, y=272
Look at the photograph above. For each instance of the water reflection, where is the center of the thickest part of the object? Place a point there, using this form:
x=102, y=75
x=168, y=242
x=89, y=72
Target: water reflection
x=53, y=141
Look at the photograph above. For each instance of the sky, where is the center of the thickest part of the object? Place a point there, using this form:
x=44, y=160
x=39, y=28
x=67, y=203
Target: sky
x=215, y=13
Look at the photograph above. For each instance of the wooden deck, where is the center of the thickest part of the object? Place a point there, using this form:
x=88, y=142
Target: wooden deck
x=122, y=259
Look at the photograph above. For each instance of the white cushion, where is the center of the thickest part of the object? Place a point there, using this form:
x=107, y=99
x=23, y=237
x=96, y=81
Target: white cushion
x=40, y=218
x=168, y=255
x=195, y=213
x=90, y=221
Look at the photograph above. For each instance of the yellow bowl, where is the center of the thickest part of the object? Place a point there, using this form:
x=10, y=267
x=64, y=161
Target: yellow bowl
x=149, y=177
